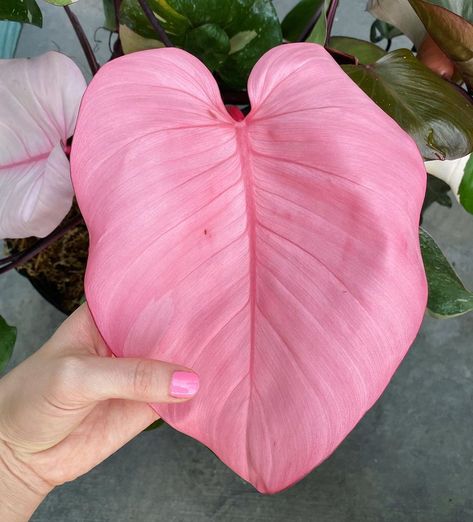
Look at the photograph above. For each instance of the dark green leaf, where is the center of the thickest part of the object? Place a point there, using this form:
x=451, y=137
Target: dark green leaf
x=453, y=34
x=7, y=342
x=25, y=11
x=296, y=21
x=383, y=31
x=437, y=192
x=448, y=297
x=174, y=23
x=319, y=32
x=251, y=28
x=366, y=52
x=109, y=14
x=210, y=43
x=465, y=192
x=154, y=425
x=433, y=112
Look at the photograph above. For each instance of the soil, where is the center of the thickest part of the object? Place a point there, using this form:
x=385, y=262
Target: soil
x=57, y=272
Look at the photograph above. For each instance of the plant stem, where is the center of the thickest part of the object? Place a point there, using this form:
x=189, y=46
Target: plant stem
x=89, y=53
x=155, y=23
x=116, y=4
x=117, y=49
x=330, y=19
x=10, y=262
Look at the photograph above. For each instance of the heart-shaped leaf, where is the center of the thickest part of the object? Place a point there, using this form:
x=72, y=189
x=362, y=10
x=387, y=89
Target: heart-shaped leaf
x=448, y=297
x=433, y=112
x=24, y=11
x=366, y=52
x=228, y=36
x=7, y=342
x=277, y=255
x=452, y=33
x=39, y=105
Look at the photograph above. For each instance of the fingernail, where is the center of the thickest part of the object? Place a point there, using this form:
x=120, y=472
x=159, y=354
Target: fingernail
x=184, y=384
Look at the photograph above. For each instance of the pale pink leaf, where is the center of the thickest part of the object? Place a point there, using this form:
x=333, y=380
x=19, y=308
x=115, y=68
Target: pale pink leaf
x=39, y=101
x=277, y=256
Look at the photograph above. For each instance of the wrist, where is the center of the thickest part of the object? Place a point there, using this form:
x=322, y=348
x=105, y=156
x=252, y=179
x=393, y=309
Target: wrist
x=21, y=490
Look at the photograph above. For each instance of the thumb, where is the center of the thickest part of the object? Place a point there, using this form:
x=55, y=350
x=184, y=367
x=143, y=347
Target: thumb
x=142, y=380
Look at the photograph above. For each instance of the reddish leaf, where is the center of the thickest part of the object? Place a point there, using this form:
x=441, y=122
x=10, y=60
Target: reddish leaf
x=435, y=59
x=452, y=33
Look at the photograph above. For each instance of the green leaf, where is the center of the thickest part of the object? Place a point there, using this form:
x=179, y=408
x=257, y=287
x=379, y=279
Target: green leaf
x=133, y=42
x=109, y=15
x=61, y=3
x=383, y=31
x=433, y=112
x=25, y=11
x=251, y=27
x=7, y=342
x=448, y=297
x=366, y=52
x=210, y=43
x=437, y=192
x=319, y=32
x=452, y=33
x=173, y=23
x=465, y=192
x=297, y=20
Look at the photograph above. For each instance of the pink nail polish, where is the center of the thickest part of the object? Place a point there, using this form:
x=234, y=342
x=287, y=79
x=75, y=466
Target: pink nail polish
x=184, y=384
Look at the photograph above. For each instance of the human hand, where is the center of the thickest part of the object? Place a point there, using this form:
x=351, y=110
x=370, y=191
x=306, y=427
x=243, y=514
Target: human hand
x=71, y=405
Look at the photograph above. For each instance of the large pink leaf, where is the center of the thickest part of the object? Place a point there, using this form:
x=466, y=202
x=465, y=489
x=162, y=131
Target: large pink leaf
x=277, y=256
x=39, y=101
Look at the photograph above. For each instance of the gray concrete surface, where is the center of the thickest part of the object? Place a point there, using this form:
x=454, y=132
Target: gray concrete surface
x=409, y=459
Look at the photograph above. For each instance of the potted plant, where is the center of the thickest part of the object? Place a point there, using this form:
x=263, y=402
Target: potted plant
x=427, y=91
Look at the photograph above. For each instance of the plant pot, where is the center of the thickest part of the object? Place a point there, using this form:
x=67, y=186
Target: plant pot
x=57, y=272
x=9, y=35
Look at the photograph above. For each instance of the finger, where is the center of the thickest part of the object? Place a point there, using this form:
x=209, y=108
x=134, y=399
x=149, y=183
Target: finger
x=78, y=334
x=138, y=380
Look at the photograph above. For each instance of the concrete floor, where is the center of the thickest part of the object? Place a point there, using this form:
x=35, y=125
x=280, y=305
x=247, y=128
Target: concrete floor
x=409, y=459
